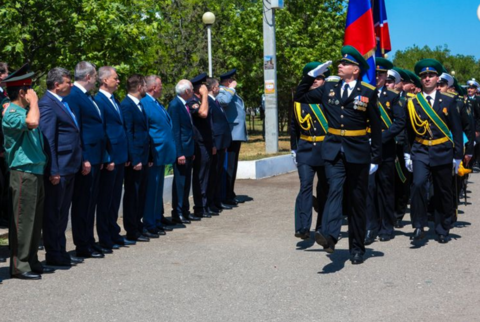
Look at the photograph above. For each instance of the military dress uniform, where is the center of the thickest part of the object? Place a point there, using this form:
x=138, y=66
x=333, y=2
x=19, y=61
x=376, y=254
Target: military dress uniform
x=346, y=151
x=432, y=153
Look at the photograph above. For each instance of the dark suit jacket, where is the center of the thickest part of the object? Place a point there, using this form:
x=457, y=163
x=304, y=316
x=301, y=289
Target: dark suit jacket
x=162, y=143
x=343, y=115
x=445, y=106
x=62, y=137
x=182, y=128
x=117, y=144
x=222, y=137
x=136, y=127
x=90, y=123
x=390, y=101
x=202, y=127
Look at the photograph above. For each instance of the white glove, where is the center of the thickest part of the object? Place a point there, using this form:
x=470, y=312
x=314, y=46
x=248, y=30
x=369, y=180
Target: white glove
x=294, y=156
x=456, y=164
x=373, y=168
x=408, y=162
x=320, y=69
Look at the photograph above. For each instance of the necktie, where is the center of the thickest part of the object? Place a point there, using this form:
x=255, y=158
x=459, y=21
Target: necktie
x=95, y=104
x=116, y=106
x=70, y=112
x=429, y=99
x=345, y=92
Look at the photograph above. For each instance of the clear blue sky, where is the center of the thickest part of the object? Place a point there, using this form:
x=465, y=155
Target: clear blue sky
x=435, y=23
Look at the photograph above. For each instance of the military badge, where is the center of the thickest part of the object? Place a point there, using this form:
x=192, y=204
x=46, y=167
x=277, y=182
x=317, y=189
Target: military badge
x=337, y=102
x=445, y=111
x=331, y=94
x=388, y=105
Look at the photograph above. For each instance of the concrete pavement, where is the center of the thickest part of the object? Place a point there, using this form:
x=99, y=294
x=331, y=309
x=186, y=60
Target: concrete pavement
x=246, y=265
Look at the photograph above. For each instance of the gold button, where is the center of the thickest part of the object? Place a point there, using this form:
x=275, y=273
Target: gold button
x=342, y=107
x=314, y=128
x=341, y=116
x=341, y=125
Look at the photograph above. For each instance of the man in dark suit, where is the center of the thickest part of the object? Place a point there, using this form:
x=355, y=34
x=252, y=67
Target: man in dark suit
x=435, y=133
x=185, y=148
x=63, y=149
x=136, y=127
x=162, y=152
x=90, y=121
x=381, y=202
x=348, y=154
x=115, y=157
x=221, y=140
x=204, y=149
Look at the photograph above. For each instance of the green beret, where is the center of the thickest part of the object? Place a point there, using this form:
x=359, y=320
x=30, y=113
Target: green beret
x=459, y=89
x=312, y=65
x=429, y=65
x=414, y=78
x=383, y=64
x=352, y=56
x=405, y=77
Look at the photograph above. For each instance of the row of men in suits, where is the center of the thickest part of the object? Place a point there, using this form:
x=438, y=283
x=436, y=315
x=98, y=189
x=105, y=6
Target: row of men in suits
x=94, y=146
x=347, y=132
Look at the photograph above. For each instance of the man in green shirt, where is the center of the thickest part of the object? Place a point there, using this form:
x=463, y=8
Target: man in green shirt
x=26, y=160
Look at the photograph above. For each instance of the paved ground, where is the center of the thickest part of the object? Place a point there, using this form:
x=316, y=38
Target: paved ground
x=246, y=265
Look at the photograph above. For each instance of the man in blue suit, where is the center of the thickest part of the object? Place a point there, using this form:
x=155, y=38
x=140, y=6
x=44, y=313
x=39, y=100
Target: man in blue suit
x=90, y=121
x=64, y=153
x=185, y=148
x=221, y=140
x=162, y=151
x=235, y=111
x=136, y=127
x=115, y=157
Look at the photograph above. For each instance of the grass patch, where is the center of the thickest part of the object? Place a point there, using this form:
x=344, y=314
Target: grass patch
x=254, y=148
x=3, y=241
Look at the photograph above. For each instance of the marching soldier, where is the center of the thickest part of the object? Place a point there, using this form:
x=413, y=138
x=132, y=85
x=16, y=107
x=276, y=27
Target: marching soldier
x=348, y=155
x=474, y=103
x=381, y=201
x=307, y=132
x=436, y=135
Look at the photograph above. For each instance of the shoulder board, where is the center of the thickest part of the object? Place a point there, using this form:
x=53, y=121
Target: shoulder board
x=227, y=90
x=6, y=105
x=448, y=94
x=367, y=85
x=333, y=80
x=393, y=91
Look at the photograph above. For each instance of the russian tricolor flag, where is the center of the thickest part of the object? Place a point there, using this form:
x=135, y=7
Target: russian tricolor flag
x=360, y=33
x=381, y=28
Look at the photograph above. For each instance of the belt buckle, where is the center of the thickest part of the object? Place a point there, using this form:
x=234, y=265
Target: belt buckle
x=314, y=138
x=342, y=132
x=429, y=142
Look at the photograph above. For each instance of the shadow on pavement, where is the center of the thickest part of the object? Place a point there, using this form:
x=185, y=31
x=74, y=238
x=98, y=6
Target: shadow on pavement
x=341, y=256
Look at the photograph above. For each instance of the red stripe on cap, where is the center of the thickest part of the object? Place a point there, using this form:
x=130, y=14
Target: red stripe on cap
x=23, y=82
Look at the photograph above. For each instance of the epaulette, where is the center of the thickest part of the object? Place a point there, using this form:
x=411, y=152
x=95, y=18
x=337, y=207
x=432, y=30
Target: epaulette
x=448, y=94
x=392, y=90
x=367, y=85
x=333, y=80
x=4, y=106
x=228, y=90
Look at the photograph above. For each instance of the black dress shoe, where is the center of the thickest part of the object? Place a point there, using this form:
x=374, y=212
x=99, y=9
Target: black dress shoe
x=115, y=246
x=27, y=276
x=385, y=238
x=418, y=234
x=398, y=223
x=239, y=200
x=150, y=234
x=103, y=249
x=62, y=264
x=76, y=260
x=167, y=222
x=303, y=233
x=44, y=270
x=143, y=239
x=90, y=254
x=327, y=243
x=442, y=239
x=357, y=259
x=125, y=242
x=370, y=237
x=192, y=217
x=224, y=206
x=180, y=220
x=160, y=231
x=203, y=215
x=213, y=211
x=231, y=202
x=164, y=228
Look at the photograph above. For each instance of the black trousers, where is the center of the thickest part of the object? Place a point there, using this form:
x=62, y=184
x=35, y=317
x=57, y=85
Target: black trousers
x=134, y=200
x=354, y=177
x=380, y=203
x=108, y=205
x=214, y=194
x=402, y=189
x=182, y=178
x=233, y=152
x=200, y=177
x=58, y=199
x=85, y=194
x=303, y=203
x=442, y=199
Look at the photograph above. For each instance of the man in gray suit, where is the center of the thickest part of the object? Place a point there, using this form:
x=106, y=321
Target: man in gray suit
x=235, y=112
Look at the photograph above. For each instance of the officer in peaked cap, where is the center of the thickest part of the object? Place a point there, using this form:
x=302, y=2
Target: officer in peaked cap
x=308, y=128
x=432, y=117
x=348, y=156
x=474, y=102
x=234, y=108
x=381, y=202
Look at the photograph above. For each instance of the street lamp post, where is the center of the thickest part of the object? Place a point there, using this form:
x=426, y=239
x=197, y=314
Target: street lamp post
x=209, y=19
